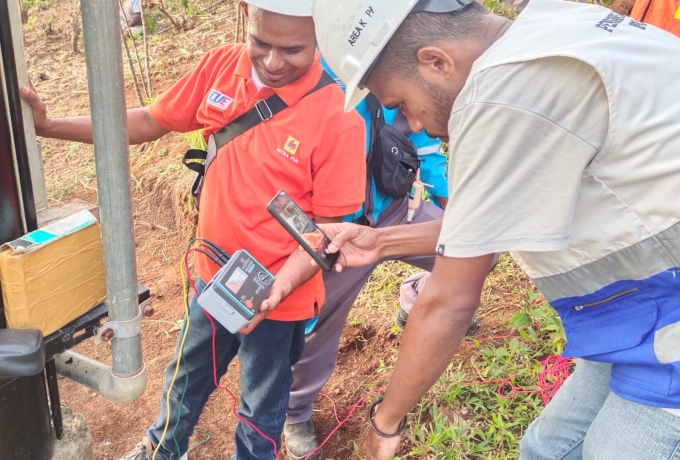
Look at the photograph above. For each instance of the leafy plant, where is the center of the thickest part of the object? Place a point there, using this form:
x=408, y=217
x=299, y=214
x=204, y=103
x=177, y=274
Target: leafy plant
x=475, y=411
x=196, y=140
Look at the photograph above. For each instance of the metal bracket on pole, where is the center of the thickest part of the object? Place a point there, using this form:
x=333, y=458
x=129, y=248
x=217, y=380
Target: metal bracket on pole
x=124, y=329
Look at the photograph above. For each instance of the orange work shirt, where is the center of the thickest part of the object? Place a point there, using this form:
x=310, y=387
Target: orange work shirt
x=312, y=150
x=664, y=14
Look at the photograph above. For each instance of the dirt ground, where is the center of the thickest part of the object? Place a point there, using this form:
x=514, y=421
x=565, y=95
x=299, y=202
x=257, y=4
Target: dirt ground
x=163, y=223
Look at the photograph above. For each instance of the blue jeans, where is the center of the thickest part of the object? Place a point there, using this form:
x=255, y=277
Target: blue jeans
x=586, y=421
x=266, y=356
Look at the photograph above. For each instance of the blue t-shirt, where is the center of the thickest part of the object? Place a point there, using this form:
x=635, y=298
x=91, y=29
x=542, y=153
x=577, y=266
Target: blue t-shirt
x=433, y=162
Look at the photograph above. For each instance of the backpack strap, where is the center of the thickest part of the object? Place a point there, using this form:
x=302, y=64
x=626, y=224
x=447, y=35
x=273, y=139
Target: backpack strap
x=195, y=160
x=199, y=160
x=377, y=122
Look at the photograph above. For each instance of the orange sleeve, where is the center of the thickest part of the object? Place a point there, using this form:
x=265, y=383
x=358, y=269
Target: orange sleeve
x=639, y=9
x=176, y=108
x=339, y=174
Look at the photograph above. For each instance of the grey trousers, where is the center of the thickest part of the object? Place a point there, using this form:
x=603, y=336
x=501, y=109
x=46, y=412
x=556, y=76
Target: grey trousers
x=410, y=288
x=320, y=355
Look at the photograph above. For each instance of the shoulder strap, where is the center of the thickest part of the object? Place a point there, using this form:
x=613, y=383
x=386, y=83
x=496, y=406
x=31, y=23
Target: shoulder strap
x=377, y=113
x=264, y=110
x=377, y=122
x=199, y=160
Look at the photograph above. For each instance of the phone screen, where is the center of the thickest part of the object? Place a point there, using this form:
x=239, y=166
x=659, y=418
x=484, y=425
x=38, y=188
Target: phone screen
x=303, y=229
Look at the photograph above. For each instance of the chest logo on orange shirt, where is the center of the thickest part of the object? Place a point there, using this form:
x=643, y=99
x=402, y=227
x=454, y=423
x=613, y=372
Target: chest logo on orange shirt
x=219, y=100
x=292, y=145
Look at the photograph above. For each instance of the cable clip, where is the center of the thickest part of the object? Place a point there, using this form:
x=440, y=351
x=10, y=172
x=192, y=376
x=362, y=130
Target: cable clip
x=263, y=110
x=124, y=329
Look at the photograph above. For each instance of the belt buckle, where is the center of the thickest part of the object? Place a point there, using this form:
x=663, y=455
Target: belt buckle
x=263, y=110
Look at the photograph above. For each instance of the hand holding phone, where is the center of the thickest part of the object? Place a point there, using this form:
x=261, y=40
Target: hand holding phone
x=303, y=229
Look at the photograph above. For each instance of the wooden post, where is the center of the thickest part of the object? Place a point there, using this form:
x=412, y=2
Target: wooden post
x=34, y=155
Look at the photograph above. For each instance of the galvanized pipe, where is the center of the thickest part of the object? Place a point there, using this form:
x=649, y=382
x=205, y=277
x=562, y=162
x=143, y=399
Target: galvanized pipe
x=98, y=376
x=101, y=31
x=81, y=369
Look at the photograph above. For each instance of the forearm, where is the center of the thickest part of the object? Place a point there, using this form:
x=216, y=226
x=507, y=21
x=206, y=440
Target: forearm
x=295, y=272
x=409, y=240
x=141, y=128
x=436, y=327
x=423, y=358
x=77, y=129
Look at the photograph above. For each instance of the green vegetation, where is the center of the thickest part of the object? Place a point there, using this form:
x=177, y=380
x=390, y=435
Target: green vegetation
x=39, y=4
x=499, y=8
x=196, y=140
x=462, y=419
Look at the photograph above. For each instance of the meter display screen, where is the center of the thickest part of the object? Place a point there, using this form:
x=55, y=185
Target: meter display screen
x=236, y=280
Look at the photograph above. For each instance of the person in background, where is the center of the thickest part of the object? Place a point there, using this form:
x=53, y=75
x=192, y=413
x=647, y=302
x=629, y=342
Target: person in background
x=664, y=14
x=131, y=17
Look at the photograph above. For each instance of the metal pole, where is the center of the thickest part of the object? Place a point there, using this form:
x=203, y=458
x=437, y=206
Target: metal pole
x=107, y=103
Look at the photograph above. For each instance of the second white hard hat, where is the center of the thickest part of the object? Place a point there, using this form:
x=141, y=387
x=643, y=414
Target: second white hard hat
x=287, y=7
x=351, y=34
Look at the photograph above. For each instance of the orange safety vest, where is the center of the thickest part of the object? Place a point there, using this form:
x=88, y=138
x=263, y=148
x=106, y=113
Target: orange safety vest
x=664, y=14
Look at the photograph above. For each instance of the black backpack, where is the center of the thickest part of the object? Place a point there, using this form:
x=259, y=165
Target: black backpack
x=393, y=159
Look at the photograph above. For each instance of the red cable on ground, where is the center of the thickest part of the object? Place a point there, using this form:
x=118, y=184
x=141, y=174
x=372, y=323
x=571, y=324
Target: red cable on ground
x=469, y=342
x=555, y=371
x=346, y=416
x=555, y=368
x=216, y=380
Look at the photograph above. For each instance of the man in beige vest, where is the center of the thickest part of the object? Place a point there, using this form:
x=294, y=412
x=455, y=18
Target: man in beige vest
x=564, y=133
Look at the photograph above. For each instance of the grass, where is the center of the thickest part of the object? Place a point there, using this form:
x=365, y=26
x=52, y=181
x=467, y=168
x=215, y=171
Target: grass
x=381, y=291
x=459, y=419
x=77, y=170
x=40, y=4
x=499, y=8
x=196, y=140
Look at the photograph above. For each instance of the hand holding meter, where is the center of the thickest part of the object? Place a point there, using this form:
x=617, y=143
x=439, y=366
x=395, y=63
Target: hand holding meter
x=235, y=293
x=303, y=229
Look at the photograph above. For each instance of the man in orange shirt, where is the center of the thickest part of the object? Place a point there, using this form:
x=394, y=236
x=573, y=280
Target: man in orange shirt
x=664, y=14
x=312, y=149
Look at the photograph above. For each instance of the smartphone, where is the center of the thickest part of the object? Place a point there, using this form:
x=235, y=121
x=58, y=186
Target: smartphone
x=303, y=229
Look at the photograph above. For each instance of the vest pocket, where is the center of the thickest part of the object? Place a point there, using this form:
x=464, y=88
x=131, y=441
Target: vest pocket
x=657, y=379
x=617, y=322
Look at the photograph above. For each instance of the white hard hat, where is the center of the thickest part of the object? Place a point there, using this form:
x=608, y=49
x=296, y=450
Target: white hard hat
x=352, y=33
x=287, y=7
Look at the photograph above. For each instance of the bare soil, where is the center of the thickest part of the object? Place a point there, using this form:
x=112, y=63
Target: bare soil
x=163, y=225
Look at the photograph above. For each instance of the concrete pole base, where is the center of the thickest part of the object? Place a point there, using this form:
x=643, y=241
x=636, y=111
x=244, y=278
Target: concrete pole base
x=76, y=444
